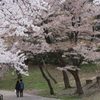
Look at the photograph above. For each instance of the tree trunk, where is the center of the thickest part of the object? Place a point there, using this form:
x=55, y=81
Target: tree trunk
x=48, y=81
x=66, y=80
x=77, y=80
x=48, y=72
x=65, y=76
x=50, y=76
x=19, y=76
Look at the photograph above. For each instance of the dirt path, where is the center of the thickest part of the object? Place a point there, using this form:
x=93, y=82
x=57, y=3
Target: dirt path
x=10, y=95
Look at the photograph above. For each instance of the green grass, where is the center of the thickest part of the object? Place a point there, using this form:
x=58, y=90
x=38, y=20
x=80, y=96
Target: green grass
x=37, y=82
x=89, y=67
x=8, y=81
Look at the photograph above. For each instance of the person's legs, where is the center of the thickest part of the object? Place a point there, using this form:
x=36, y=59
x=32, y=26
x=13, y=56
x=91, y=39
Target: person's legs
x=21, y=92
x=17, y=93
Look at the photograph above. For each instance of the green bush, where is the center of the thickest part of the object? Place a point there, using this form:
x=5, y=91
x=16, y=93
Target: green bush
x=48, y=60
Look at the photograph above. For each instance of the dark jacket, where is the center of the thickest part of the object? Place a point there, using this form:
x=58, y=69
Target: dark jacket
x=17, y=86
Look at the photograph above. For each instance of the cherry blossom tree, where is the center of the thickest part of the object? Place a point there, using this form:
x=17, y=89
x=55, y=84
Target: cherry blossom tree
x=21, y=19
x=72, y=24
x=64, y=28
x=57, y=27
x=12, y=60
x=18, y=18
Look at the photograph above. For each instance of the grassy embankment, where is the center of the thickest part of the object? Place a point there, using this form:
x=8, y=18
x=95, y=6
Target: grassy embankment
x=35, y=83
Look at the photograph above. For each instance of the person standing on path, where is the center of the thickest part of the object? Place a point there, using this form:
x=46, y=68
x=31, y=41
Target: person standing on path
x=17, y=87
x=21, y=88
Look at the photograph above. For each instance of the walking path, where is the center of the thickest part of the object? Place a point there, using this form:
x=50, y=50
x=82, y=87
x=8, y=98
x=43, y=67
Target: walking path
x=10, y=95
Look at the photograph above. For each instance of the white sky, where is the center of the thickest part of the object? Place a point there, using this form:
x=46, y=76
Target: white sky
x=96, y=2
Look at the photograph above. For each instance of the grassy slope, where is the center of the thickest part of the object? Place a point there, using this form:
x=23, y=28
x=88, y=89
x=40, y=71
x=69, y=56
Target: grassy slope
x=36, y=82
